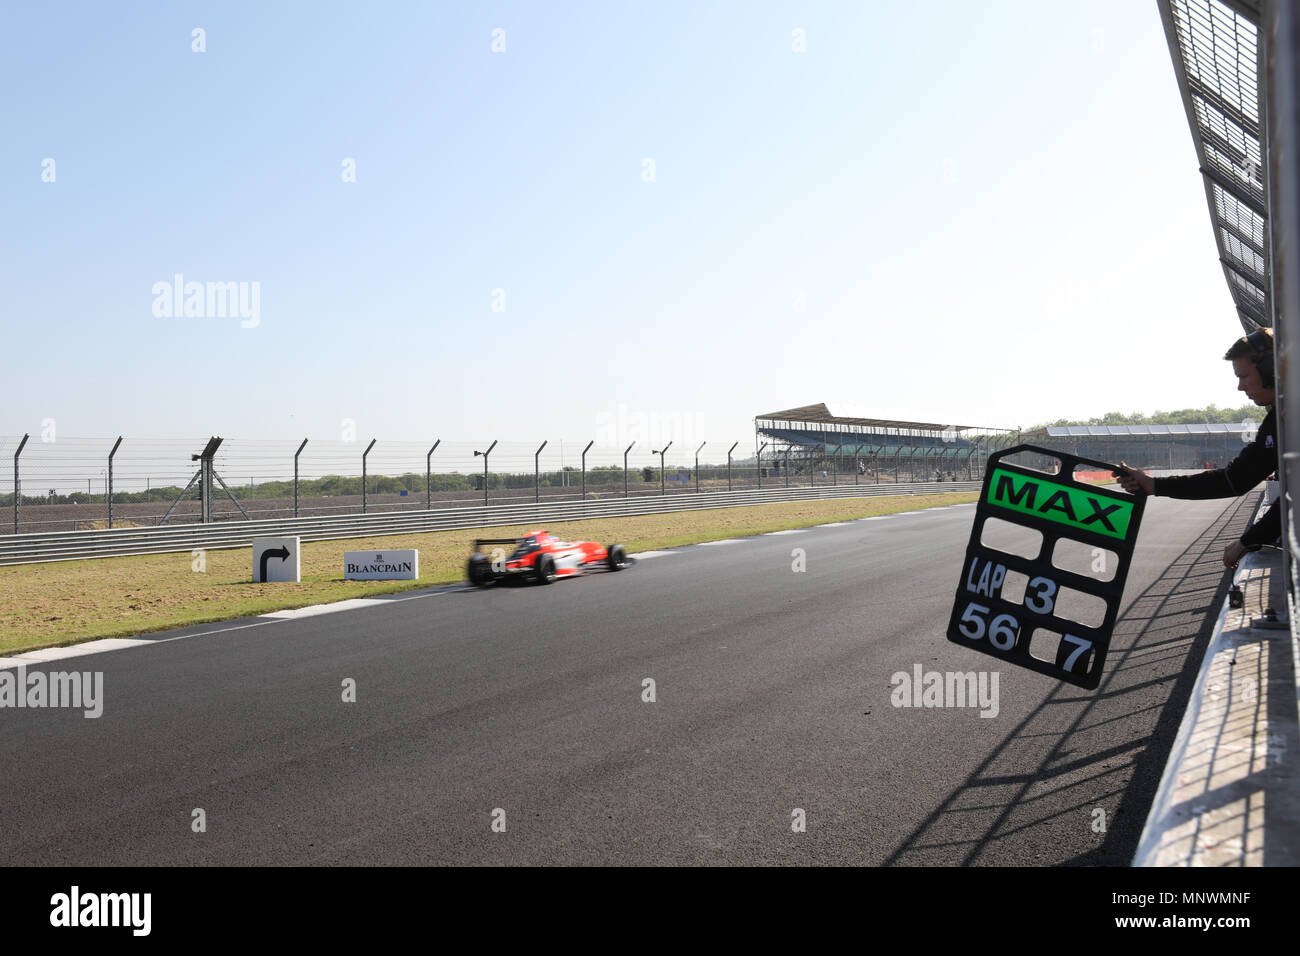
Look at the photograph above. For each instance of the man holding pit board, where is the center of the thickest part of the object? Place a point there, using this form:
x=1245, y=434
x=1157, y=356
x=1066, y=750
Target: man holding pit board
x=1252, y=362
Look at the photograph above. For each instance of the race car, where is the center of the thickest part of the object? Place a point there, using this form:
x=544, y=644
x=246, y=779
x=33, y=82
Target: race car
x=541, y=557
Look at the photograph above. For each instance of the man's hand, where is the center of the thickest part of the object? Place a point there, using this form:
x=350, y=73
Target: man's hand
x=1233, y=553
x=1133, y=481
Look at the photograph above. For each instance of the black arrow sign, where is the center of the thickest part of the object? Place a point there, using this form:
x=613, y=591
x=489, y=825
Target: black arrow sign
x=281, y=553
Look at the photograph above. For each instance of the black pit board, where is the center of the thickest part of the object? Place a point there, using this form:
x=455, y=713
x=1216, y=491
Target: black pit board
x=1061, y=508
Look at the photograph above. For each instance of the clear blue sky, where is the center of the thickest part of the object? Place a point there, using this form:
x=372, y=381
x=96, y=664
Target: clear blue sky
x=993, y=210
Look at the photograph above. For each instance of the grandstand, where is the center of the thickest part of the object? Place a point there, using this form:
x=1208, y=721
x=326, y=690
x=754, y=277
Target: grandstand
x=810, y=444
x=1150, y=446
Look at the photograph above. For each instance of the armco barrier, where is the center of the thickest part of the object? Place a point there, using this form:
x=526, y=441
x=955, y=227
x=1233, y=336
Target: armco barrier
x=120, y=542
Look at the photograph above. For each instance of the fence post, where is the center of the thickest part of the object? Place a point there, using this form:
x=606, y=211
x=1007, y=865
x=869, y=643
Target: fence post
x=759, y=456
x=207, y=466
x=661, y=453
x=295, y=476
x=697, y=466
x=729, y=451
x=625, y=451
x=537, y=473
x=787, y=465
x=428, y=476
x=485, y=468
x=21, y=445
x=110, y=479
x=363, y=474
x=584, y=468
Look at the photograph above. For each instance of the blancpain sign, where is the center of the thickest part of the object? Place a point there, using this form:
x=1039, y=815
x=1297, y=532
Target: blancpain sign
x=381, y=565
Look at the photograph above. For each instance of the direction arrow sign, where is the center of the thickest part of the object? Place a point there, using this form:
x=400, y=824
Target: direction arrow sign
x=276, y=559
x=267, y=555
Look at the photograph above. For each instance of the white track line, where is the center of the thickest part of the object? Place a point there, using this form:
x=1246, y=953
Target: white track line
x=313, y=609
x=48, y=654
x=271, y=617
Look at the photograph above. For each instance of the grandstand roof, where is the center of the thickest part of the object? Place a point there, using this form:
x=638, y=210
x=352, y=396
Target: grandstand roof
x=1128, y=431
x=821, y=415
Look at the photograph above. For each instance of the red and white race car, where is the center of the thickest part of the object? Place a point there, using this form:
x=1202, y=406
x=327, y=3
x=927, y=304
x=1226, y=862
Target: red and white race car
x=541, y=557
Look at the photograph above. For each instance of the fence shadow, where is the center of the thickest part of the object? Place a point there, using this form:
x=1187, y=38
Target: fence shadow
x=1097, y=756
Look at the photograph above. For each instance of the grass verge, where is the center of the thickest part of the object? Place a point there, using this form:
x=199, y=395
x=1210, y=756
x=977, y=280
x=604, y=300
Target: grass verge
x=45, y=605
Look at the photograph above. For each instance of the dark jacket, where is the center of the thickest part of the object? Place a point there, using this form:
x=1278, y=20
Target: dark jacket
x=1256, y=462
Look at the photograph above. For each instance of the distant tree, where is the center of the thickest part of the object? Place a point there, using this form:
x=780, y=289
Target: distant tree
x=1211, y=415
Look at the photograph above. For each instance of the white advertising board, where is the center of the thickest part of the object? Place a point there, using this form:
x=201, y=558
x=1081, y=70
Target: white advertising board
x=381, y=565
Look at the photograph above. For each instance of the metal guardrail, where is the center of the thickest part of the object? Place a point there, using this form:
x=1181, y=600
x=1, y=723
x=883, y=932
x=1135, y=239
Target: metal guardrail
x=121, y=542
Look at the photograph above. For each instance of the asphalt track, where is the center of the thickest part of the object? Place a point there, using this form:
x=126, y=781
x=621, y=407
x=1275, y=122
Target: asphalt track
x=773, y=693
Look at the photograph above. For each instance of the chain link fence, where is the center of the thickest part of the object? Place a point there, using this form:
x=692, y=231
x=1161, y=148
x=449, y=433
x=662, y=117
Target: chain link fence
x=64, y=484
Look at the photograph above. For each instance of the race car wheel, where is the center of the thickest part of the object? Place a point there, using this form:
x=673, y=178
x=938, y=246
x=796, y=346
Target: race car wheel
x=544, y=570
x=617, y=557
x=480, y=570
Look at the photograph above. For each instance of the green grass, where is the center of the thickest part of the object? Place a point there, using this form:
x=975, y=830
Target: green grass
x=44, y=605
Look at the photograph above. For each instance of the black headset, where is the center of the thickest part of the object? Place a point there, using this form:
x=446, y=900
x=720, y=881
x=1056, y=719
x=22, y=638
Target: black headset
x=1261, y=353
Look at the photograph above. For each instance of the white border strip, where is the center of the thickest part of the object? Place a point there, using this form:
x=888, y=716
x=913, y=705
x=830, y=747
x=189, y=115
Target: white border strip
x=332, y=608
x=46, y=654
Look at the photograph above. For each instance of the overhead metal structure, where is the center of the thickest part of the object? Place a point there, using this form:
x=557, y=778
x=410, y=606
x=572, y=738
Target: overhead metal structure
x=1216, y=52
x=1238, y=69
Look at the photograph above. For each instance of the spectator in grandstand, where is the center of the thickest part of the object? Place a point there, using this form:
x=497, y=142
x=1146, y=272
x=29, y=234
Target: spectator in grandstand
x=1252, y=363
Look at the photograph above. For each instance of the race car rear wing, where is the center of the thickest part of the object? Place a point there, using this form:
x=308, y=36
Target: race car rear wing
x=479, y=542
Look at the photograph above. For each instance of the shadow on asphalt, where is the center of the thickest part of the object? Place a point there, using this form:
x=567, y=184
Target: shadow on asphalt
x=1102, y=750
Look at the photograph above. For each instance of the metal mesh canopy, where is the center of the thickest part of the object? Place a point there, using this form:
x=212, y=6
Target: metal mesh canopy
x=1215, y=49
x=1109, y=431
x=821, y=415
